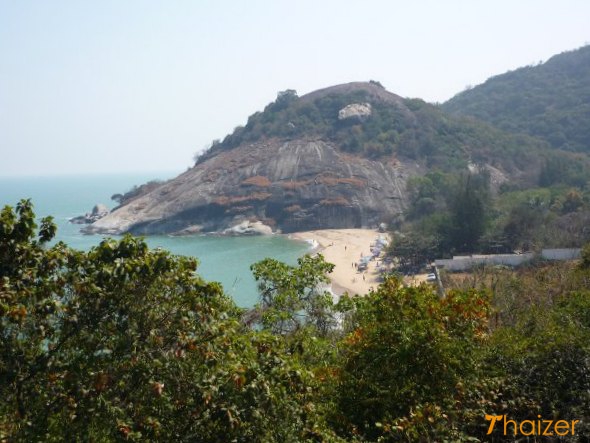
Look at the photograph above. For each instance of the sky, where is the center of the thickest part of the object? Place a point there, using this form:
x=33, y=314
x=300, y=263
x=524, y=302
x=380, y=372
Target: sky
x=131, y=86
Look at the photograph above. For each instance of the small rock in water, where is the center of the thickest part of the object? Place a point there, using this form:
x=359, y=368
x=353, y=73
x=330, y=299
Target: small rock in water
x=98, y=211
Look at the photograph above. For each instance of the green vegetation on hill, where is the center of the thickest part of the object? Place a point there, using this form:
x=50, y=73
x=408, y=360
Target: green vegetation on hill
x=408, y=128
x=550, y=101
x=458, y=213
x=122, y=343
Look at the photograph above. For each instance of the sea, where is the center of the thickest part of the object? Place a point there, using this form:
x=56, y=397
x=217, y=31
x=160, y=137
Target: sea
x=223, y=259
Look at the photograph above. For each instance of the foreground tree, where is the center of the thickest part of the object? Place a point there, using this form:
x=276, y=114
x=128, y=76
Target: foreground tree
x=407, y=359
x=124, y=343
x=543, y=363
x=294, y=296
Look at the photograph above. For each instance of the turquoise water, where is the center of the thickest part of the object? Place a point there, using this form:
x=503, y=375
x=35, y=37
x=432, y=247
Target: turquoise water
x=223, y=259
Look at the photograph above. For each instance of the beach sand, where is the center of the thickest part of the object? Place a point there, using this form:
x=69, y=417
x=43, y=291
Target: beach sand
x=343, y=248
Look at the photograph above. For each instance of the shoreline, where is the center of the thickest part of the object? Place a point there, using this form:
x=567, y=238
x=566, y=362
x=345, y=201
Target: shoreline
x=344, y=248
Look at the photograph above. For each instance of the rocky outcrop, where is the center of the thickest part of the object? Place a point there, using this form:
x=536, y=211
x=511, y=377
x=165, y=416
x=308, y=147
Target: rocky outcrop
x=358, y=111
x=249, y=228
x=284, y=185
x=99, y=211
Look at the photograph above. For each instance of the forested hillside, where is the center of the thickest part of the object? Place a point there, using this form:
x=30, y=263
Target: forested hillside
x=550, y=101
x=450, y=214
x=366, y=120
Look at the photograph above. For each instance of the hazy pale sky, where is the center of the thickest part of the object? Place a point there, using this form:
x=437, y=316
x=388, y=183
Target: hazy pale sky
x=111, y=85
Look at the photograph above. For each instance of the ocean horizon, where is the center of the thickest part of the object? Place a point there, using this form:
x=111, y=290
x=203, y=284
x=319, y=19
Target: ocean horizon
x=223, y=259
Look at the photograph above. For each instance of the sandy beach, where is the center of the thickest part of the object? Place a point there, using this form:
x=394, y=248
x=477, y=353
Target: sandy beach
x=344, y=248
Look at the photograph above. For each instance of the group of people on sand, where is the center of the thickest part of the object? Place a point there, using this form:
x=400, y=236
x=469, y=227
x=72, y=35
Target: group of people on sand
x=369, y=262
x=376, y=249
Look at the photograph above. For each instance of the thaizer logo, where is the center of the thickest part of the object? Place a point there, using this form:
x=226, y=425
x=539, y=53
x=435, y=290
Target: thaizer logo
x=539, y=427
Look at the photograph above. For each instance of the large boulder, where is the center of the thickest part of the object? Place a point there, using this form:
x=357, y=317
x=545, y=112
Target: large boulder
x=357, y=111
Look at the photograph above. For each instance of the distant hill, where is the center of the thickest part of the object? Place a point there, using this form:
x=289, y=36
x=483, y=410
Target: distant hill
x=338, y=157
x=550, y=101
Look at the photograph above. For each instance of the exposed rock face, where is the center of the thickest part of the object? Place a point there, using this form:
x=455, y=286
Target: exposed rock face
x=285, y=185
x=359, y=111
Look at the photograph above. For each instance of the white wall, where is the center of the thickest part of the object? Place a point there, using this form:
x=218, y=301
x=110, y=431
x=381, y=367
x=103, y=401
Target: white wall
x=561, y=254
x=462, y=263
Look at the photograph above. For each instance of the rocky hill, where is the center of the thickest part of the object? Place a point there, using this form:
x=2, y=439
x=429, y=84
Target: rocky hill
x=550, y=101
x=338, y=157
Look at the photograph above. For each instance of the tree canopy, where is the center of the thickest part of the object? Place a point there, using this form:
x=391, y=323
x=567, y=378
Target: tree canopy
x=124, y=343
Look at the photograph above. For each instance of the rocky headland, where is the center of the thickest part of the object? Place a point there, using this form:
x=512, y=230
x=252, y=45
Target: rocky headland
x=339, y=157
